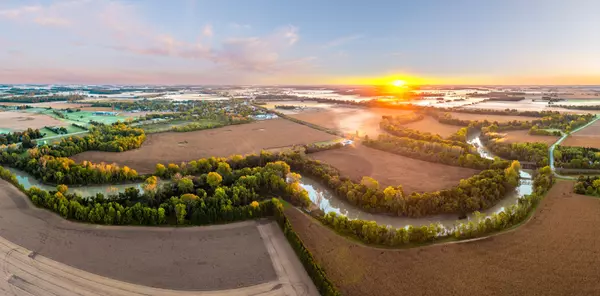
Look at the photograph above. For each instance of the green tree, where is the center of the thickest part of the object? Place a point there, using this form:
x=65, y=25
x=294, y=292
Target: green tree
x=180, y=212
x=214, y=179
x=160, y=170
x=185, y=185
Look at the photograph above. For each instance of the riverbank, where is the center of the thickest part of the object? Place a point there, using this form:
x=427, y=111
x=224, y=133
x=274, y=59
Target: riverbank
x=562, y=227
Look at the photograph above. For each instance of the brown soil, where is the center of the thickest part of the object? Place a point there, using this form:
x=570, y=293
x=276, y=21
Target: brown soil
x=587, y=137
x=349, y=120
x=556, y=253
x=19, y=121
x=522, y=136
x=491, y=118
x=173, y=147
x=392, y=170
x=194, y=258
x=431, y=125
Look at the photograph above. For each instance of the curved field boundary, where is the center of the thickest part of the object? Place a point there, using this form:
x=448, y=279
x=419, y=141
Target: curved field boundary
x=144, y=260
x=31, y=274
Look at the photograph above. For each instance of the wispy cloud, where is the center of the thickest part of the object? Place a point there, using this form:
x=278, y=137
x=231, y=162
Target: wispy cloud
x=16, y=13
x=341, y=41
x=207, y=30
x=239, y=26
x=118, y=26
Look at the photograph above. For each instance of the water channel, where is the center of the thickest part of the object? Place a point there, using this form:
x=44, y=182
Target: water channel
x=324, y=198
x=29, y=181
x=321, y=196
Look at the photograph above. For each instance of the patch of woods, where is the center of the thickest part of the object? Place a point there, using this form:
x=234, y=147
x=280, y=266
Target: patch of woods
x=370, y=232
x=61, y=130
x=588, y=185
x=577, y=157
x=50, y=163
x=478, y=192
x=533, y=152
x=23, y=137
x=217, y=194
x=438, y=152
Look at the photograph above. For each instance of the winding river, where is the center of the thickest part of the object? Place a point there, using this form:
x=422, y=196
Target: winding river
x=321, y=196
x=29, y=181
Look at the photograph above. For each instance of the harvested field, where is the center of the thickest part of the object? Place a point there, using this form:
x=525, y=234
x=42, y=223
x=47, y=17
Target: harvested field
x=556, y=253
x=349, y=120
x=431, y=125
x=587, y=137
x=194, y=258
x=174, y=147
x=491, y=118
x=522, y=136
x=392, y=170
x=18, y=121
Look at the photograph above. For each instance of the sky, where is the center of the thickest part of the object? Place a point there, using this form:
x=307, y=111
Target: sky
x=299, y=42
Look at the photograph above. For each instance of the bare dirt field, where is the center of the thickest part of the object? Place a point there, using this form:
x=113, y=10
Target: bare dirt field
x=523, y=137
x=195, y=258
x=392, y=170
x=491, y=118
x=18, y=121
x=556, y=253
x=349, y=120
x=431, y=125
x=587, y=137
x=173, y=147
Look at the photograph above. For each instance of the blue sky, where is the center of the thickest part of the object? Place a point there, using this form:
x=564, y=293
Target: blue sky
x=303, y=42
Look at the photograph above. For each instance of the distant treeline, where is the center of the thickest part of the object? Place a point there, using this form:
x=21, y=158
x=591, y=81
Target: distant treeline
x=40, y=99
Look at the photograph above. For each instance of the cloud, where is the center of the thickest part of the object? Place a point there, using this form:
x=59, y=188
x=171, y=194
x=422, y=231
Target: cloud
x=52, y=21
x=341, y=41
x=239, y=26
x=20, y=12
x=207, y=31
x=51, y=15
x=108, y=27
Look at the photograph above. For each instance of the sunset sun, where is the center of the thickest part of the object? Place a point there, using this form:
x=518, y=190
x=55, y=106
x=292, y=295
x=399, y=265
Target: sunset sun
x=399, y=83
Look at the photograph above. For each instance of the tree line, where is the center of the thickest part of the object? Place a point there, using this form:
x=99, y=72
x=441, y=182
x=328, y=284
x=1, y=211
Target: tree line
x=438, y=152
x=577, y=157
x=527, y=152
x=196, y=200
x=370, y=232
x=23, y=136
x=477, y=192
x=51, y=164
x=391, y=126
x=40, y=99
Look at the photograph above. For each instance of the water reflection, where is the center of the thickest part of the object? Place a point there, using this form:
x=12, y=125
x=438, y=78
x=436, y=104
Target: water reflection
x=328, y=202
x=29, y=181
